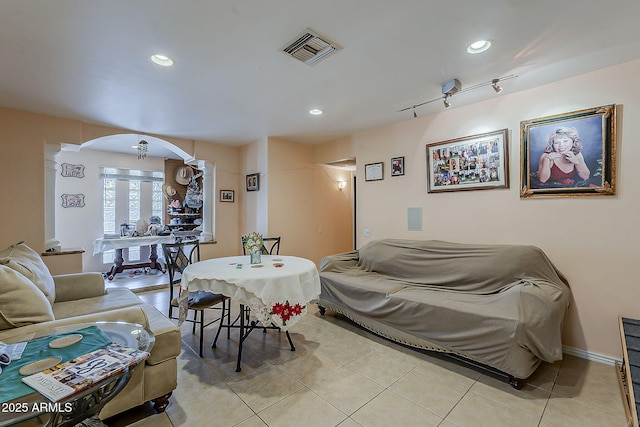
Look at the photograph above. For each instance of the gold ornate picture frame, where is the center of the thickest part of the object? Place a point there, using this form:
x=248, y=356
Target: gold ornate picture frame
x=570, y=154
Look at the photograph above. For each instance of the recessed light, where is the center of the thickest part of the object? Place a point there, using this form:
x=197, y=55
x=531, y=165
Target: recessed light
x=315, y=112
x=479, y=46
x=162, y=60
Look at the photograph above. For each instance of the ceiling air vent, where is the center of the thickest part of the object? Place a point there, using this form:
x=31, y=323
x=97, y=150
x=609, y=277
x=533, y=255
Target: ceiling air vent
x=311, y=48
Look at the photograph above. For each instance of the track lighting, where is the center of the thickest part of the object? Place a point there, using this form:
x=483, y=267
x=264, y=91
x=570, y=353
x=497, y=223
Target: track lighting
x=455, y=87
x=494, y=83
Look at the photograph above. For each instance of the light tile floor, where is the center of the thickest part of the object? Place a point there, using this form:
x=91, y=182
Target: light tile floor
x=343, y=376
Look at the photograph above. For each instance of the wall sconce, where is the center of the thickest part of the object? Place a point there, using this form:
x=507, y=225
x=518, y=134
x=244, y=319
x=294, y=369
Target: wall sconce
x=342, y=185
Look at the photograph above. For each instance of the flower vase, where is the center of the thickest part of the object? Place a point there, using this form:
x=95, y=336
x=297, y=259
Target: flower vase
x=256, y=257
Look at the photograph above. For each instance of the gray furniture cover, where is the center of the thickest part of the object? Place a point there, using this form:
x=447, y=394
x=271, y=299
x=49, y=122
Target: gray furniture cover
x=500, y=305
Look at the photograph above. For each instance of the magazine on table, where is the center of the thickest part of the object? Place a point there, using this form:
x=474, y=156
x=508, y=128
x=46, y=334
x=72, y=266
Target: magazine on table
x=78, y=374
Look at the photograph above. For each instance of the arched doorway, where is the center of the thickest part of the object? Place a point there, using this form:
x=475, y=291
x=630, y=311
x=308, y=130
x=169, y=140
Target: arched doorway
x=92, y=156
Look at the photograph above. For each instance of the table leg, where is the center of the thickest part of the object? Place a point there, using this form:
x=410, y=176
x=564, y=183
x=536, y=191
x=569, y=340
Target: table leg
x=241, y=338
x=117, y=265
x=290, y=341
x=153, y=258
x=90, y=404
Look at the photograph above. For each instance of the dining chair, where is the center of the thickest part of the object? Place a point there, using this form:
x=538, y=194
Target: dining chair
x=178, y=256
x=270, y=246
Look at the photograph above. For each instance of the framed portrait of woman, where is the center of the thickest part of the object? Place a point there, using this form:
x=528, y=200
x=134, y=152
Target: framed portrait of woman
x=570, y=154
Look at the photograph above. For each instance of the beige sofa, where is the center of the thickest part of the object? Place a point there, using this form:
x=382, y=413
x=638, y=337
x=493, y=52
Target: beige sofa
x=33, y=300
x=502, y=306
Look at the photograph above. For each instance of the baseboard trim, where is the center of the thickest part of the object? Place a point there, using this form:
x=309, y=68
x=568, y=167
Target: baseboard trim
x=583, y=354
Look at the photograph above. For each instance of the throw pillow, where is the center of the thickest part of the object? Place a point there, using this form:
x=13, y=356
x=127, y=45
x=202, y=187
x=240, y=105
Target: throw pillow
x=21, y=302
x=28, y=262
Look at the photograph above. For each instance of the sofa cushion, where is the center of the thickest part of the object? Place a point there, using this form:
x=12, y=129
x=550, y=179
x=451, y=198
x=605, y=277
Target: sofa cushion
x=113, y=298
x=26, y=261
x=21, y=302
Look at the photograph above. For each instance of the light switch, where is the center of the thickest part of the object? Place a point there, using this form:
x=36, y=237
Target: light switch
x=366, y=232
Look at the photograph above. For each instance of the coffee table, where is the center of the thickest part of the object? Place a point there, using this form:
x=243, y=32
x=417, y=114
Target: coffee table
x=71, y=411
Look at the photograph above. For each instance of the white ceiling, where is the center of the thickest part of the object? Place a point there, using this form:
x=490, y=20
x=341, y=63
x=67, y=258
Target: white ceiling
x=231, y=84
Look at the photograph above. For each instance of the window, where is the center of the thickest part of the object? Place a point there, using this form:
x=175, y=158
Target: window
x=128, y=195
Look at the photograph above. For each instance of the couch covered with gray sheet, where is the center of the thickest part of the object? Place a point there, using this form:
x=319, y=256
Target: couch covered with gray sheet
x=499, y=305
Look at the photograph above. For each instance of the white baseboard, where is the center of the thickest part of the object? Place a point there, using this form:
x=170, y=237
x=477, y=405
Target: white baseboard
x=583, y=354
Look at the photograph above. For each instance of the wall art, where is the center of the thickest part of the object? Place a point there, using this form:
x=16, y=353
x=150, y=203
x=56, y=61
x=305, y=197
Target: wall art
x=253, y=182
x=74, y=171
x=570, y=154
x=73, y=200
x=397, y=166
x=476, y=162
x=226, y=195
x=374, y=171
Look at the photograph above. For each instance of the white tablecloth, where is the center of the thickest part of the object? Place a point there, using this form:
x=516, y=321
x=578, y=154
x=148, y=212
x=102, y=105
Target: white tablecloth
x=275, y=294
x=102, y=245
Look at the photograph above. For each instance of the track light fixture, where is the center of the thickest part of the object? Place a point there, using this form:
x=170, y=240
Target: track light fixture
x=455, y=87
x=494, y=83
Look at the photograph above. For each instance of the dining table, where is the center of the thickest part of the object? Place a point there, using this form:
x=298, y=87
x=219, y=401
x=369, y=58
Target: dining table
x=275, y=292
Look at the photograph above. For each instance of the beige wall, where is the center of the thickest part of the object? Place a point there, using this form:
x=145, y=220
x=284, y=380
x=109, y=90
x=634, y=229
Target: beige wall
x=23, y=137
x=590, y=239
x=298, y=199
x=254, y=205
x=306, y=207
x=22, y=140
x=225, y=162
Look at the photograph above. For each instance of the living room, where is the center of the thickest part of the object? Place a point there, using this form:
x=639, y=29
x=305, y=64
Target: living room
x=589, y=239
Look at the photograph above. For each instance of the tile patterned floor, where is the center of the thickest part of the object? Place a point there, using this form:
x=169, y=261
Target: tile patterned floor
x=343, y=376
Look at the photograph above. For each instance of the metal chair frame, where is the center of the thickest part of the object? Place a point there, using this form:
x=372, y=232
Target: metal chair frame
x=177, y=260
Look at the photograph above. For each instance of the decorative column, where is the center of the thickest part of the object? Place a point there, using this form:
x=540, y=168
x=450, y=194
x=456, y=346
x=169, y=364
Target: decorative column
x=50, y=170
x=208, y=199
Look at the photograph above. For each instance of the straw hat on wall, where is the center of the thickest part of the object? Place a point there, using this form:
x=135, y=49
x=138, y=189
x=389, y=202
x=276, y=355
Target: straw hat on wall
x=183, y=175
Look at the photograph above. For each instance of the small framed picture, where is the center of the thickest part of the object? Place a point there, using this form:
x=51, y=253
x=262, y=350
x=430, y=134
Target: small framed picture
x=570, y=154
x=397, y=166
x=373, y=171
x=226, y=195
x=253, y=182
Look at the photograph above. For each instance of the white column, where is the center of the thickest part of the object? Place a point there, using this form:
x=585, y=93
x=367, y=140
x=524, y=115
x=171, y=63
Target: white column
x=50, y=170
x=208, y=201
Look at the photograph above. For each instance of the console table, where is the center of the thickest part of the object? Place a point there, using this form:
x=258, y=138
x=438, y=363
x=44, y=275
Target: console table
x=629, y=370
x=119, y=243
